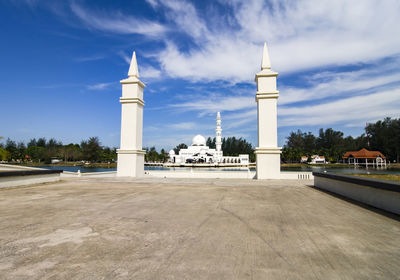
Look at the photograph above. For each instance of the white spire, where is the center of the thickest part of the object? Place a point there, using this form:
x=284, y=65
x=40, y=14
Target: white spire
x=266, y=63
x=133, y=69
x=218, y=132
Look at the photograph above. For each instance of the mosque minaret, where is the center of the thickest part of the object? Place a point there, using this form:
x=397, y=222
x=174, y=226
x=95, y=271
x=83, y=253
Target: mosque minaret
x=218, y=132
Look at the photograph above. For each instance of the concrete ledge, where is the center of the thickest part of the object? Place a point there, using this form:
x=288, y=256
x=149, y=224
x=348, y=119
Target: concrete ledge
x=288, y=175
x=380, y=194
x=89, y=174
x=12, y=167
x=201, y=174
x=28, y=177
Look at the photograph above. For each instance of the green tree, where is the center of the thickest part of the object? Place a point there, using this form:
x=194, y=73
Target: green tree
x=151, y=155
x=32, y=143
x=36, y=153
x=291, y=154
x=384, y=136
x=233, y=146
x=12, y=150
x=179, y=147
x=163, y=155
x=211, y=142
x=91, y=149
x=71, y=152
x=331, y=144
x=41, y=142
x=21, y=150
x=3, y=154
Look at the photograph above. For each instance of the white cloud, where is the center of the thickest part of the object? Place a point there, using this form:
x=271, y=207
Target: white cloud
x=182, y=125
x=125, y=57
x=149, y=72
x=340, y=84
x=89, y=58
x=99, y=86
x=117, y=22
x=152, y=3
x=167, y=141
x=301, y=35
x=239, y=119
x=216, y=103
x=347, y=111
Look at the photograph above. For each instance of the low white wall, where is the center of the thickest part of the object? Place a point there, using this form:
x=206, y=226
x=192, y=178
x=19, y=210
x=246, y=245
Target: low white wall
x=200, y=174
x=224, y=174
x=377, y=197
x=11, y=167
x=195, y=173
x=297, y=175
x=16, y=181
x=89, y=174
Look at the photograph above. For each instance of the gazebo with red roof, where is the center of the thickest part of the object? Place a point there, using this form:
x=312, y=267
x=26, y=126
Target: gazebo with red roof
x=365, y=157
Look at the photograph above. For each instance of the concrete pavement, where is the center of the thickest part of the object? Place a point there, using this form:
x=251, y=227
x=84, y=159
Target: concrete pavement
x=191, y=229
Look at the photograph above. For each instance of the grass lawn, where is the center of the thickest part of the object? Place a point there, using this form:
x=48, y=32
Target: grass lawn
x=388, y=177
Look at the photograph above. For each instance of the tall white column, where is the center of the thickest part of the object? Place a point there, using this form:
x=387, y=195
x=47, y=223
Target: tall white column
x=268, y=154
x=218, y=134
x=131, y=155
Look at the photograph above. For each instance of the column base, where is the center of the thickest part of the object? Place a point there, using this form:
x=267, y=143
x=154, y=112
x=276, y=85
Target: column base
x=130, y=163
x=268, y=163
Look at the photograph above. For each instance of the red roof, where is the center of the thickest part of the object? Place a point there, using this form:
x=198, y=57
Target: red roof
x=363, y=153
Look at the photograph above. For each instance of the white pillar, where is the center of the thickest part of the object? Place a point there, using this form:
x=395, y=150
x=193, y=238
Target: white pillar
x=131, y=155
x=218, y=140
x=218, y=134
x=268, y=154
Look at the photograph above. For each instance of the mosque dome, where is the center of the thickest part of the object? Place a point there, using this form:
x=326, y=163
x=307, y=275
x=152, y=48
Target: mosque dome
x=172, y=153
x=198, y=140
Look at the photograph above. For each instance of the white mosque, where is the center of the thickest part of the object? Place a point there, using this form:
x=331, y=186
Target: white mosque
x=199, y=152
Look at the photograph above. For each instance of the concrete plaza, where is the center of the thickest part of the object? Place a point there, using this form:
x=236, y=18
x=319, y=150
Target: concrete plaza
x=150, y=228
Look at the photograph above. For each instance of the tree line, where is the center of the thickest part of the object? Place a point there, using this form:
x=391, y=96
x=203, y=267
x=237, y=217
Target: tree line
x=42, y=150
x=383, y=136
x=232, y=146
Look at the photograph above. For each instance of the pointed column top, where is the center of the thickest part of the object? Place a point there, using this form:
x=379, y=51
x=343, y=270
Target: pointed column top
x=266, y=63
x=218, y=116
x=133, y=68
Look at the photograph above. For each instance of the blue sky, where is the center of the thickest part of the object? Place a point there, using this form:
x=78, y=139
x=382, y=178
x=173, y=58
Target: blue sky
x=61, y=63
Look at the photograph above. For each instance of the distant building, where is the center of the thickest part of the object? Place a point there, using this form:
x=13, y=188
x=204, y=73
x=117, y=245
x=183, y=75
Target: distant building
x=55, y=160
x=199, y=152
x=365, y=157
x=304, y=159
x=315, y=159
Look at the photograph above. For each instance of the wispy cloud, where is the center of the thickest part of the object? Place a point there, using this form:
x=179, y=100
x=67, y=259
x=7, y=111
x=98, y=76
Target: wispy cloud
x=117, y=22
x=125, y=57
x=182, y=125
x=149, y=72
x=89, y=58
x=100, y=86
x=215, y=104
x=227, y=46
x=339, y=84
x=346, y=111
x=302, y=35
